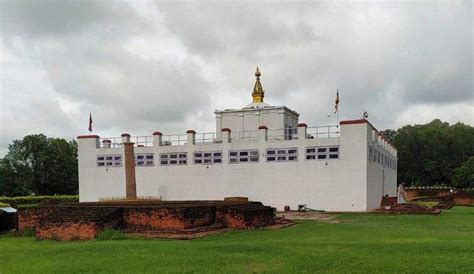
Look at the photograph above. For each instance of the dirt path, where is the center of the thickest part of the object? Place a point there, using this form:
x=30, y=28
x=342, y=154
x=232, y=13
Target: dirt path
x=318, y=216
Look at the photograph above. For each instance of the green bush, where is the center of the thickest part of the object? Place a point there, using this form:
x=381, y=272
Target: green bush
x=464, y=175
x=31, y=200
x=111, y=234
x=28, y=232
x=4, y=204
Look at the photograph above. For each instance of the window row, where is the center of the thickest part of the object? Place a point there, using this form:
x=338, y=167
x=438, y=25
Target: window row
x=141, y=159
x=379, y=157
x=109, y=160
x=243, y=156
x=208, y=157
x=175, y=158
x=322, y=153
x=144, y=159
x=216, y=157
x=282, y=155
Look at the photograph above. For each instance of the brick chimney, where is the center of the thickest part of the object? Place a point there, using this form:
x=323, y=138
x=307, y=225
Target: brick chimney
x=129, y=159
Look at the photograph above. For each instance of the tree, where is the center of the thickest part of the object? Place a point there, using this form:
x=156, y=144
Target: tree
x=40, y=165
x=389, y=134
x=463, y=176
x=428, y=154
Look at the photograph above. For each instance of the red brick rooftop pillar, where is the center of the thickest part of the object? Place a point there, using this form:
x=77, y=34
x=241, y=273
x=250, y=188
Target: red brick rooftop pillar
x=107, y=143
x=302, y=131
x=88, y=141
x=125, y=138
x=157, y=138
x=225, y=133
x=263, y=133
x=191, y=134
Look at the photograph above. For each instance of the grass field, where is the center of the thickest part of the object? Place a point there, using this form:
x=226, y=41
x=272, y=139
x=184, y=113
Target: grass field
x=350, y=243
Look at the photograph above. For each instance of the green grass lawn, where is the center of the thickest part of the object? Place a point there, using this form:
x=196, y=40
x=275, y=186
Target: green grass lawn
x=356, y=243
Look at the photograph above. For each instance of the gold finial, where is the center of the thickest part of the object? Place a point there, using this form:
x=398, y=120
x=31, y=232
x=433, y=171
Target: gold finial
x=258, y=92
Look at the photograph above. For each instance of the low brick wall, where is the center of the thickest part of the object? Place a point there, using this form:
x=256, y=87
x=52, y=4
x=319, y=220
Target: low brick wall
x=29, y=218
x=68, y=231
x=85, y=221
x=416, y=193
x=459, y=196
x=165, y=218
x=463, y=200
x=245, y=216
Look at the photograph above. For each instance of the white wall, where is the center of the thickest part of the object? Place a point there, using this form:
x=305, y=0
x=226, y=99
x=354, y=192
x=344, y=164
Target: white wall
x=381, y=179
x=349, y=183
x=248, y=119
x=98, y=182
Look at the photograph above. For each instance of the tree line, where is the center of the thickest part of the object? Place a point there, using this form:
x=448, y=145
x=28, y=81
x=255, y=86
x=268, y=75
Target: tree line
x=432, y=154
x=37, y=165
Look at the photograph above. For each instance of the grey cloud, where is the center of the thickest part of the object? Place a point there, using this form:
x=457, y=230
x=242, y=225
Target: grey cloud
x=58, y=18
x=386, y=58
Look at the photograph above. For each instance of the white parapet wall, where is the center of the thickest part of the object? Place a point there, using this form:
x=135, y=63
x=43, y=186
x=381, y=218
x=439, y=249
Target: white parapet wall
x=325, y=168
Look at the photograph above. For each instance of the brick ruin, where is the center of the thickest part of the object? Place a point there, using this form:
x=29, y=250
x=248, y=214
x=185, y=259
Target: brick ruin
x=84, y=221
x=443, y=198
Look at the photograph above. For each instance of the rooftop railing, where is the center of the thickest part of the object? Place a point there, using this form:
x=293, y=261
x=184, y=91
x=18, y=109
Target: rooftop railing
x=282, y=134
x=116, y=142
x=323, y=132
x=244, y=136
x=318, y=132
x=206, y=138
x=174, y=140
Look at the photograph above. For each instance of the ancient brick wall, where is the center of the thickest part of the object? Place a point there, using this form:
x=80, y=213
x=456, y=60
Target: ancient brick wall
x=463, y=199
x=30, y=217
x=174, y=217
x=416, y=193
x=459, y=196
x=85, y=221
x=67, y=231
x=245, y=216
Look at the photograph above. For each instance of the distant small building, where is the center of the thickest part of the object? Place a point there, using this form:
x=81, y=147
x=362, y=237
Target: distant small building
x=260, y=151
x=7, y=218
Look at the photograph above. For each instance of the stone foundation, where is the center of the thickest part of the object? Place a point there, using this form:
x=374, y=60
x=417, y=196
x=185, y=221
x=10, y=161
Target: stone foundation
x=84, y=221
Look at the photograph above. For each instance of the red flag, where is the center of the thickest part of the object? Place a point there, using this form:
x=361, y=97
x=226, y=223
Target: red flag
x=337, y=102
x=90, y=122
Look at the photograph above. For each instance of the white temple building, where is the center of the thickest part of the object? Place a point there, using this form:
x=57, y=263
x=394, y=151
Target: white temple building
x=260, y=151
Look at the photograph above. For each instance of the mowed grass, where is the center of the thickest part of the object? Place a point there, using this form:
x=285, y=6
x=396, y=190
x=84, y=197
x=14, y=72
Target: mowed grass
x=363, y=243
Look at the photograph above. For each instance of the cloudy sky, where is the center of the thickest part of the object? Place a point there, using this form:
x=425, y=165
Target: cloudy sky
x=142, y=66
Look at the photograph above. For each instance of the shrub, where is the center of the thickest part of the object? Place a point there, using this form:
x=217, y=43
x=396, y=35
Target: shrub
x=28, y=232
x=464, y=175
x=4, y=204
x=29, y=200
x=110, y=234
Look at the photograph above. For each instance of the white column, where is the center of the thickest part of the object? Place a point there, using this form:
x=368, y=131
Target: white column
x=107, y=143
x=225, y=135
x=157, y=138
x=191, y=134
x=88, y=142
x=125, y=138
x=302, y=131
x=262, y=133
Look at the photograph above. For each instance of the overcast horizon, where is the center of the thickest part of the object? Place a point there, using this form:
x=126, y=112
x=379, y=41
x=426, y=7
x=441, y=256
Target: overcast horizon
x=144, y=66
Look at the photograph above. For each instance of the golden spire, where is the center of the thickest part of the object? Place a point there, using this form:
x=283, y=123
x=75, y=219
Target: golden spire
x=258, y=92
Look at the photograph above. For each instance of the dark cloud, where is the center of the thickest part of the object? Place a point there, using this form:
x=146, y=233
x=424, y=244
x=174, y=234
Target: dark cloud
x=143, y=66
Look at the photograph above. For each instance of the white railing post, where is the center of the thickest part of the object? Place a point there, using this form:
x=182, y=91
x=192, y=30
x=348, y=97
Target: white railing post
x=302, y=131
x=157, y=138
x=225, y=135
x=191, y=136
x=125, y=138
x=262, y=133
x=88, y=141
x=107, y=143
